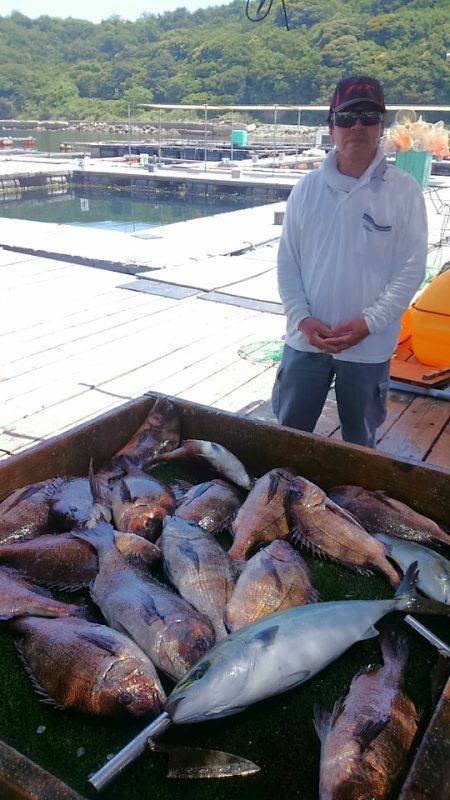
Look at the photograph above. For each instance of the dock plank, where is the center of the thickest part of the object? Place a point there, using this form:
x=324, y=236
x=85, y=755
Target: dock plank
x=416, y=429
x=439, y=454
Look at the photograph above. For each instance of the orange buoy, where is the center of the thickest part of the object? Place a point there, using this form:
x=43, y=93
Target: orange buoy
x=406, y=327
x=430, y=318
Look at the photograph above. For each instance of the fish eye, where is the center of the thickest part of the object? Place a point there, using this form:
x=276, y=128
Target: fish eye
x=125, y=698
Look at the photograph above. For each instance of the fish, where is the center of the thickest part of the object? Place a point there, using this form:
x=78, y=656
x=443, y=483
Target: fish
x=25, y=513
x=19, y=597
x=59, y=561
x=159, y=433
x=169, y=630
x=365, y=740
x=198, y=567
x=212, y=505
x=80, y=501
x=282, y=651
x=82, y=666
x=217, y=456
x=379, y=513
x=140, y=503
x=326, y=528
x=262, y=517
x=434, y=569
x=274, y=579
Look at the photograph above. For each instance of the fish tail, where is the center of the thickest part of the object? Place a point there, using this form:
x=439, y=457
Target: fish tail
x=407, y=598
x=100, y=536
x=394, y=649
x=99, y=491
x=324, y=721
x=53, y=487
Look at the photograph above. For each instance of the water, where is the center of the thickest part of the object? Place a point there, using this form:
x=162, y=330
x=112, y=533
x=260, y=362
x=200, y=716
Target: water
x=119, y=210
x=49, y=141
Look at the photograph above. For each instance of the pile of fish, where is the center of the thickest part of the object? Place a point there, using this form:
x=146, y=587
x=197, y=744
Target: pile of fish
x=167, y=598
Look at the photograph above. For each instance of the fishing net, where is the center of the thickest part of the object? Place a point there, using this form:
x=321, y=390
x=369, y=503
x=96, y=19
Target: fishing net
x=268, y=352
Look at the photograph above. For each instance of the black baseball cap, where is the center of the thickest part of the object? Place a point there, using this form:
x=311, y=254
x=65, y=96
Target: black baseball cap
x=357, y=89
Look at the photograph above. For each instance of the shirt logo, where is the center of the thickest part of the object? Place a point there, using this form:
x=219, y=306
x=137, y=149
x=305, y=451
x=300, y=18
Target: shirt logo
x=370, y=225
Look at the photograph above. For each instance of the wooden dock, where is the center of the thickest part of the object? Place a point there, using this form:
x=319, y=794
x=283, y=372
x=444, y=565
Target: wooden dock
x=74, y=344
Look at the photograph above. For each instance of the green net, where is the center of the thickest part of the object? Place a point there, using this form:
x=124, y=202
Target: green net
x=268, y=352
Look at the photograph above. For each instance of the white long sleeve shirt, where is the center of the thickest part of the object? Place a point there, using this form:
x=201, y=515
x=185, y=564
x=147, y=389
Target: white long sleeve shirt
x=352, y=247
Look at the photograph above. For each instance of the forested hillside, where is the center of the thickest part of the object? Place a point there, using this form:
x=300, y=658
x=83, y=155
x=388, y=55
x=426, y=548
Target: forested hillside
x=52, y=67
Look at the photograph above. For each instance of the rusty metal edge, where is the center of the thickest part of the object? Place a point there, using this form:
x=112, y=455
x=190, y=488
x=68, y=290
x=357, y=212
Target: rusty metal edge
x=429, y=776
x=22, y=779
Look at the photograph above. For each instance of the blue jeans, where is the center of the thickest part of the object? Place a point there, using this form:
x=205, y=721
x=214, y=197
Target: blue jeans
x=302, y=384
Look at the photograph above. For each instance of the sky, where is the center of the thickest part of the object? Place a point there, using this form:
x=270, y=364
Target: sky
x=100, y=9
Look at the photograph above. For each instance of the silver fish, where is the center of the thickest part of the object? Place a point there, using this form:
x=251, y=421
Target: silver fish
x=281, y=651
x=198, y=567
x=434, y=569
x=172, y=633
x=215, y=454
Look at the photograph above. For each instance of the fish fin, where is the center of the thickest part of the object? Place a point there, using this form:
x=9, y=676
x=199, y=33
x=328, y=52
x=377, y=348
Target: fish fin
x=124, y=492
x=40, y=691
x=295, y=678
x=324, y=721
x=313, y=595
x=273, y=487
x=101, y=641
x=394, y=648
x=149, y=611
x=15, y=573
x=265, y=637
x=100, y=536
x=299, y=538
x=61, y=586
x=53, y=487
x=187, y=550
x=180, y=489
x=370, y=730
x=370, y=633
x=100, y=492
x=25, y=494
x=321, y=722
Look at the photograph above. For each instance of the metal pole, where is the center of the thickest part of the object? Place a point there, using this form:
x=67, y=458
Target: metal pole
x=443, y=648
x=206, y=134
x=298, y=136
x=129, y=130
x=160, y=135
x=130, y=752
x=274, y=138
x=231, y=152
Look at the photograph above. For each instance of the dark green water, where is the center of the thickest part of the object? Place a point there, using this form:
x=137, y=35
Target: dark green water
x=118, y=210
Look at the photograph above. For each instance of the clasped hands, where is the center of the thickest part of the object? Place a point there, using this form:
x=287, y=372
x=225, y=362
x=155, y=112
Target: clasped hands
x=334, y=340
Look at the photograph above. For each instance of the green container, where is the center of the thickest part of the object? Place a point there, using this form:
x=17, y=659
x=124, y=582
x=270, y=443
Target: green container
x=416, y=163
x=239, y=138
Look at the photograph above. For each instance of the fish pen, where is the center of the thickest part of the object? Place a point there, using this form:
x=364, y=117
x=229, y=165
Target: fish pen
x=277, y=734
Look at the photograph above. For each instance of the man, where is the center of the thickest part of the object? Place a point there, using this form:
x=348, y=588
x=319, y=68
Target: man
x=352, y=255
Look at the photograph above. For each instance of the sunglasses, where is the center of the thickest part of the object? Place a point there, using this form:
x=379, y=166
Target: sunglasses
x=346, y=119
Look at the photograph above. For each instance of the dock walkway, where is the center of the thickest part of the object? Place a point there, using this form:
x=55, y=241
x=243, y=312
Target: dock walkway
x=75, y=344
